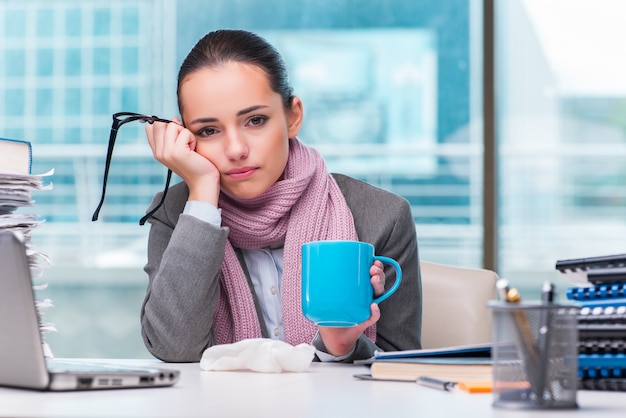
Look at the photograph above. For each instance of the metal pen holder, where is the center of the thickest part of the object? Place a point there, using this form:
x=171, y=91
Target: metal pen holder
x=535, y=355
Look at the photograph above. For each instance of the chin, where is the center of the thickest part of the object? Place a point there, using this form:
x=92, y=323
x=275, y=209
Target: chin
x=244, y=194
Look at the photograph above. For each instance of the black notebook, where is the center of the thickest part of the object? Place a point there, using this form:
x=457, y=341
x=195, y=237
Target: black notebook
x=470, y=350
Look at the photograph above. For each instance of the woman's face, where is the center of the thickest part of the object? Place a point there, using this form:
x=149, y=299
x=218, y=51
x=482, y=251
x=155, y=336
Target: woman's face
x=240, y=125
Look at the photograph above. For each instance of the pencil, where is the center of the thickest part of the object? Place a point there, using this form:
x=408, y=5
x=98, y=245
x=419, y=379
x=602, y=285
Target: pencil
x=526, y=344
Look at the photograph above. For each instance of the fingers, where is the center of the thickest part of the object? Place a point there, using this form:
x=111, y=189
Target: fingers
x=377, y=277
x=150, y=135
x=163, y=138
x=374, y=316
x=339, y=341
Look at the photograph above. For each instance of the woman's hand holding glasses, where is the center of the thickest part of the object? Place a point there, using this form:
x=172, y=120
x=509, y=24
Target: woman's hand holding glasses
x=175, y=147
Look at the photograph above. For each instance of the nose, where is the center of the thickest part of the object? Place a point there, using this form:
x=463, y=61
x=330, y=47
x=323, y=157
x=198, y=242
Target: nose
x=236, y=147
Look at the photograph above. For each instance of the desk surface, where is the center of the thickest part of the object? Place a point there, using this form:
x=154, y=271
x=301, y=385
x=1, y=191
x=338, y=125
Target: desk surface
x=325, y=390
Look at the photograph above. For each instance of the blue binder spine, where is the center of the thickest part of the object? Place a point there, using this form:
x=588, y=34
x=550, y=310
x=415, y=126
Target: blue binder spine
x=603, y=366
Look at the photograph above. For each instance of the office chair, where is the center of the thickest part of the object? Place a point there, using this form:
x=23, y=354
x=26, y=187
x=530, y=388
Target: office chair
x=454, y=305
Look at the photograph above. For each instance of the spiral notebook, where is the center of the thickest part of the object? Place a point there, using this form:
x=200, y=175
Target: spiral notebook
x=22, y=361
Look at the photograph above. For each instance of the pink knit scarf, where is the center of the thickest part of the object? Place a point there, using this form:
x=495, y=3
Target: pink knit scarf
x=304, y=205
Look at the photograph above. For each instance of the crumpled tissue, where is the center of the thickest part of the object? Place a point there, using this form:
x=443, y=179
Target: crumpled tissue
x=259, y=355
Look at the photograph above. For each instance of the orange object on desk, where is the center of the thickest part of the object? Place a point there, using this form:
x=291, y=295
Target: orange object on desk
x=475, y=386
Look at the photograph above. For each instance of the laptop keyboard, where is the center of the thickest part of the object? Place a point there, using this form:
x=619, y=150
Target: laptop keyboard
x=60, y=366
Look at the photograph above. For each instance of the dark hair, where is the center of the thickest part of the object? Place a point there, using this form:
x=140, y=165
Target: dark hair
x=223, y=46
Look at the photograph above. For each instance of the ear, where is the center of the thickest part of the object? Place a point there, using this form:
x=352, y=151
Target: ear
x=295, y=117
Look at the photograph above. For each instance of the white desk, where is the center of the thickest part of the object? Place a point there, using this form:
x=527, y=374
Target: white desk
x=324, y=391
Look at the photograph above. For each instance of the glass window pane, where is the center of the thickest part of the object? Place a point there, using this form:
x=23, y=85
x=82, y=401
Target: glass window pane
x=15, y=62
x=73, y=57
x=73, y=101
x=101, y=101
x=562, y=135
x=44, y=135
x=99, y=134
x=14, y=102
x=44, y=101
x=101, y=61
x=14, y=23
x=45, y=62
x=73, y=21
x=16, y=133
x=130, y=60
x=101, y=22
x=130, y=98
x=130, y=21
x=72, y=136
x=45, y=22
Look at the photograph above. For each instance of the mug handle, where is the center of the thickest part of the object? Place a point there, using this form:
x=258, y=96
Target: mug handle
x=396, y=266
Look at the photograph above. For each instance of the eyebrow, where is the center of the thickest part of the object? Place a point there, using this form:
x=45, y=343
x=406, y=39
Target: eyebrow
x=240, y=113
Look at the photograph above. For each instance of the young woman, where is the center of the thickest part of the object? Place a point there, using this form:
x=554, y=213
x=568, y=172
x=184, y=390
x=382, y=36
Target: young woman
x=224, y=248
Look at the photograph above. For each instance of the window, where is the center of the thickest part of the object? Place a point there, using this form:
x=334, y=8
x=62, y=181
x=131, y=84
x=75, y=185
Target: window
x=16, y=62
x=73, y=19
x=101, y=22
x=45, y=62
x=130, y=60
x=101, y=61
x=391, y=93
x=14, y=23
x=44, y=101
x=72, y=61
x=45, y=25
x=14, y=102
x=130, y=21
x=562, y=97
x=72, y=101
x=101, y=102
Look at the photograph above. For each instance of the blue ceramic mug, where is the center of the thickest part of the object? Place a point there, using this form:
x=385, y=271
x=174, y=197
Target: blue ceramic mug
x=336, y=287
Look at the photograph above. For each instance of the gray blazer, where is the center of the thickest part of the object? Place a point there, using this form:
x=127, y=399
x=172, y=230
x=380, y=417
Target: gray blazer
x=185, y=256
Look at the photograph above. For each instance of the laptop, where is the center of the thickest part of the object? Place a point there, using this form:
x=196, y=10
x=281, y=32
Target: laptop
x=22, y=361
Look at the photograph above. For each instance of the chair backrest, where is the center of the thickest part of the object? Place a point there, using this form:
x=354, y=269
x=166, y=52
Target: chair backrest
x=454, y=305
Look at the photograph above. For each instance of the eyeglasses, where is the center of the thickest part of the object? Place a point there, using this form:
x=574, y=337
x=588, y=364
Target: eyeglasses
x=120, y=119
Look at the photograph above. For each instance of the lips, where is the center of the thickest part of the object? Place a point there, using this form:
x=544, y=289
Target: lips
x=241, y=172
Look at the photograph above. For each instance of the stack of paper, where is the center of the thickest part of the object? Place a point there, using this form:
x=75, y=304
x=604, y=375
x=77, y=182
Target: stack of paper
x=16, y=191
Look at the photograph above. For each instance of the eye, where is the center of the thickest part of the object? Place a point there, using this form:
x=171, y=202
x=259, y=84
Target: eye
x=206, y=132
x=257, y=120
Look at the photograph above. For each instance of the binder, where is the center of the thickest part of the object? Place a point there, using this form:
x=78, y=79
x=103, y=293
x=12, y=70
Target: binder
x=607, y=274
x=601, y=322
x=587, y=264
x=599, y=291
x=16, y=156
x=603, y=366
x=603, y=384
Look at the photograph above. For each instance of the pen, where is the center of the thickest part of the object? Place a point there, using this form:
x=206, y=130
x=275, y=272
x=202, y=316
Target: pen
x=526, y=344
x=547, y=298
x=435, y=383
x=469, y=387
x=547, y=293
x=502, y=286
